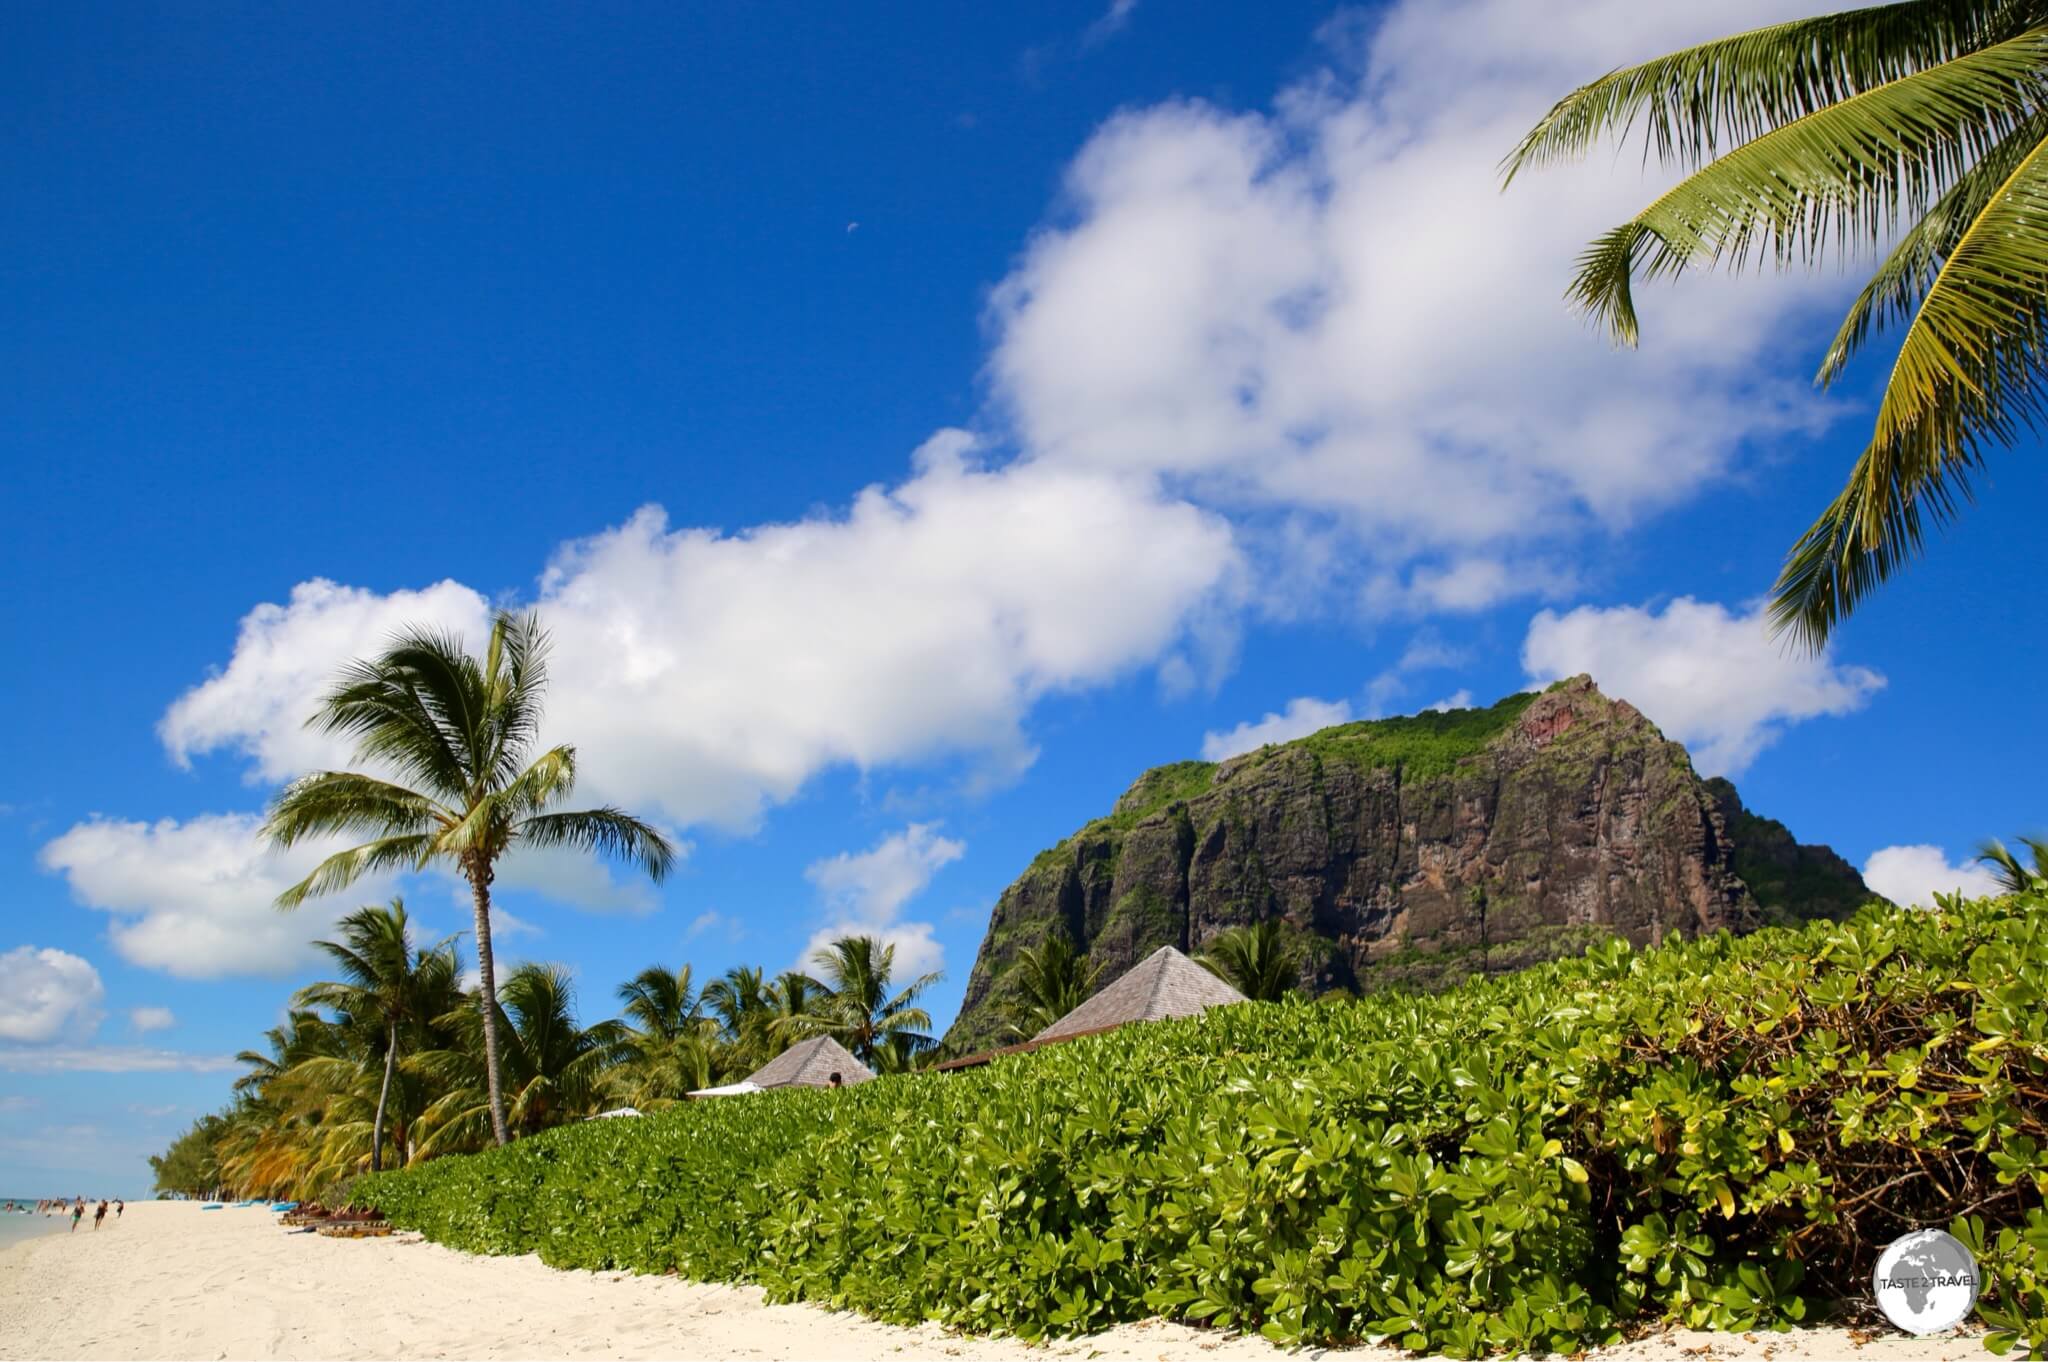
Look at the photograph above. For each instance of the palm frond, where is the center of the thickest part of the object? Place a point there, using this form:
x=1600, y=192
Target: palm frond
x=450, y=692
x=1845, y=171
x=344, y=868
x=1895, y=289
x=607, y=832
x=328, y=802
x=380, y=703
x=1968, y=375
x=1692, y=102
x=1968, y=362
x=549, y=778
x=515, y=669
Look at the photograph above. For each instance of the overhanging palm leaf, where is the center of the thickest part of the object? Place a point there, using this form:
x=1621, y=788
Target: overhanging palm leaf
x=1843, y=172
x=1734, y=89
x=1931, y=112
x=461, y=730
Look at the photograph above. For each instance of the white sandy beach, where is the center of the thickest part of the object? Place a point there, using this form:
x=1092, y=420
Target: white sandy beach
x=172, y=1281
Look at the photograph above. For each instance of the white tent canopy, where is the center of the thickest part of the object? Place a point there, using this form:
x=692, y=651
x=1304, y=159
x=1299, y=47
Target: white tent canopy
x=729, y=1090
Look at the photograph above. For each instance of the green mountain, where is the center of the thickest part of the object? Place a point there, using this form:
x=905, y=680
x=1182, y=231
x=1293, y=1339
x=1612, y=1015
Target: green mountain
x=1567, y=812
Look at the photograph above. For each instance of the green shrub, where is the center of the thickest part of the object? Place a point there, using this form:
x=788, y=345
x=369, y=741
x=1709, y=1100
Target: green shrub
x=1714, y=1132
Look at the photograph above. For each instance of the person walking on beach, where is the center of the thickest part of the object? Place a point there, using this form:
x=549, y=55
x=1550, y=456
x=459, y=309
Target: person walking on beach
x=119, y=1207
x=99, y=1215
x=77, y=1213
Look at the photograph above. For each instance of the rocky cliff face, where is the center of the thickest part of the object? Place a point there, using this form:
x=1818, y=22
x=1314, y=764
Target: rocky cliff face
x=1567, y=812
x=1791, y=882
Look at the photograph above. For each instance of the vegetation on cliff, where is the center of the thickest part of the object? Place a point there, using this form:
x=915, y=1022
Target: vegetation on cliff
x=1721, y=1132
x=1792, y=883
x=1418, y=746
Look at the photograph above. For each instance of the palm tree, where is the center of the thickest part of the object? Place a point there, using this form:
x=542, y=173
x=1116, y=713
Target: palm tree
x=662, y=1003
x=458, y=730
x=2012, y=876
x=1839, y=129
x=903, y=1052
x=740, y=1000
x=670, y=1048
x=554, y=1066
x=1261, y=961
x=1054, y=979
x=855, y=1005
x=286, y=1115
x=791, y=999
x=385, y=985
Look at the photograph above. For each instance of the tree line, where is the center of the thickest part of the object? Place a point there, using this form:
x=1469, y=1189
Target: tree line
x=385, y=1064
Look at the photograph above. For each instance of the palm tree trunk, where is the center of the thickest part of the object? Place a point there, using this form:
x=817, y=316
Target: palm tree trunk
x=487, y=995
x=383, y=1096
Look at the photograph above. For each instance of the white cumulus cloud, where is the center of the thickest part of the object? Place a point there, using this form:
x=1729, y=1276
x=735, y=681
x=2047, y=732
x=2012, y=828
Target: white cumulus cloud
x=864, y=893
x=1329, y=309
x=1711, y=677
x=195, y=898
x=1913, y=875
x=287, y=655
x=47, y=994
x=147, y=1019
x=704, y=675
x=1303, y=716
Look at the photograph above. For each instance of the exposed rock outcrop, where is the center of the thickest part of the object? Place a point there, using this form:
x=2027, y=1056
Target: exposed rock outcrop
x=1567, y=814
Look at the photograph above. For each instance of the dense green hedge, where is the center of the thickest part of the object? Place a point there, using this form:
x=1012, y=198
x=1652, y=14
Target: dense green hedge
x=1718, y=1131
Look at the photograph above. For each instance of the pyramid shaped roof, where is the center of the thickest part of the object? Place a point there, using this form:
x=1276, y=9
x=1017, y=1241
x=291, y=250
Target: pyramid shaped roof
x=811, y=1064
x=1163, y=984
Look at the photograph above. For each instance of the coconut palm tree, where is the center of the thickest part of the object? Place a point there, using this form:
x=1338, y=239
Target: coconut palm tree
x=670, y=1045
x=661, y=1003
x=456, y=734
x=1261, y=961
x=791, y=997
x=1053, y=978
x=741, y=1001
x=386, y=985
x=855, y=1005
x=281, y=1135
x=2014, y=877
x=554, y=1067
x=1918, y=126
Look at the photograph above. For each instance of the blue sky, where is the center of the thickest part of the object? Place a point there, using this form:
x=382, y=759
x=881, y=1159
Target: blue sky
x=912, y=423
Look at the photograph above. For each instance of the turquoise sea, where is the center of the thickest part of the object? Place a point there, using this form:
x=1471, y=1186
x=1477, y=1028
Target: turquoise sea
x=15, y=1228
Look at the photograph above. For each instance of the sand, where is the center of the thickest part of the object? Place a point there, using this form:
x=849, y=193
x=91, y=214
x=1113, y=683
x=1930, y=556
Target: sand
x=172, y=1281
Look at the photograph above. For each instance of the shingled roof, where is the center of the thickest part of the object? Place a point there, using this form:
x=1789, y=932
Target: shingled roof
x=1163, y=984
x=810, y=1064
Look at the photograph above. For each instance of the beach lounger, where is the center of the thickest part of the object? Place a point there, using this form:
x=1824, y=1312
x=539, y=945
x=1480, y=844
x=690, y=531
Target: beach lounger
x=356, y=1229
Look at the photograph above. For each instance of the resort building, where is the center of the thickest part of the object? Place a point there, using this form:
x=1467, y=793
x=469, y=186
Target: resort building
x=1164, y=984
x=813, y=1063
